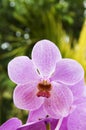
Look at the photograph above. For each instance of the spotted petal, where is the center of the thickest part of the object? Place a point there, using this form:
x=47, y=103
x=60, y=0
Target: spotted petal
x=59, y=104
x=21, y=70
x=45, y=55
x=37, y=115
x=68, y=72
x=41, y=114
x=25, y=97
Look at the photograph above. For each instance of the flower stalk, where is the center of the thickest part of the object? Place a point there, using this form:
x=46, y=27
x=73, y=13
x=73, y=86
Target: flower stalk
x=48, y=126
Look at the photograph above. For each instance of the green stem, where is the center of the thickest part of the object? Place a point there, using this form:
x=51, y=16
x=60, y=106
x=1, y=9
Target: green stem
x=48, y=126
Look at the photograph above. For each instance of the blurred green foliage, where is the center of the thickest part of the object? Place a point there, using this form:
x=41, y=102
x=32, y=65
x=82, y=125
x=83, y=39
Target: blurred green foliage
x=22, y=24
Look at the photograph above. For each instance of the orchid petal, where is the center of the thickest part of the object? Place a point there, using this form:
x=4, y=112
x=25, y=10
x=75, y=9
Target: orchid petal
x=21, y=70
x=78, y=89
x=41, y=114
x=37, y=115
x=45, y=54
x=11, y=124
x=68, y=71
x=77, y=119
x=25, y=97
x=80, y=100
x=59, y=104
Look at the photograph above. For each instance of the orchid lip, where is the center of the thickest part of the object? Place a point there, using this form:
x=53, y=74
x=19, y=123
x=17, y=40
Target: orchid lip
x=44, y=89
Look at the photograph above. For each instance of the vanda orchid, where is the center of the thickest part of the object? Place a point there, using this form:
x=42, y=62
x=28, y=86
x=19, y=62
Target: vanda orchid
x=44, y=80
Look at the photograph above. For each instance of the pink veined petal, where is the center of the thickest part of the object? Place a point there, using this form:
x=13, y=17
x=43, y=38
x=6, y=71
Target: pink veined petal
x=81, y=100
x=68, y=71
x=21, y=70
x=77, y=119
x=25, y=97
x=78, y=89
x=11, y=124
x=45, y=54
x=37, y=115
x=59, y=104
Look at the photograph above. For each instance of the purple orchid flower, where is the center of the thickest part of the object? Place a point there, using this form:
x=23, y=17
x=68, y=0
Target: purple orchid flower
x=44, y=80
x=11, y=124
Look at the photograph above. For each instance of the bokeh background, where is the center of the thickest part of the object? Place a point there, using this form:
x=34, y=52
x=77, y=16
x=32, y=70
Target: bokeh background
x=23, y=23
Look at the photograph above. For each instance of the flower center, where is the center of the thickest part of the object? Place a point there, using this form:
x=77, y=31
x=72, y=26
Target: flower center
x=44, y=88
